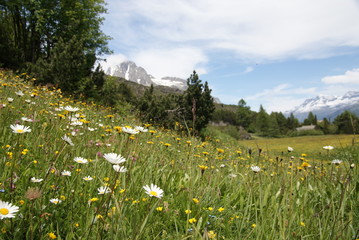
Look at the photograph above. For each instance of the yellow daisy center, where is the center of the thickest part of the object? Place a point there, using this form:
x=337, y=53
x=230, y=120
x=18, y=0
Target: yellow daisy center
x=153, y=193
x=20, y=131
x=4, y=211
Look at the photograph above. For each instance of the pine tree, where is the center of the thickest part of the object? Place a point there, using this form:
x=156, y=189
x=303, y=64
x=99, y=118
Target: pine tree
x=197, y=104
x=262, y=121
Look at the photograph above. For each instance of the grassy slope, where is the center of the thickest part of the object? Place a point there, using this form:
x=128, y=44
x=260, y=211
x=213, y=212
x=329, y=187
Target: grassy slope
x=210, y=191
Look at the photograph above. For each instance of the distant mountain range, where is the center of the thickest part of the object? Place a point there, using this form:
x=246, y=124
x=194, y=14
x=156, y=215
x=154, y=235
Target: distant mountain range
x=327, y=106
x=131, y=72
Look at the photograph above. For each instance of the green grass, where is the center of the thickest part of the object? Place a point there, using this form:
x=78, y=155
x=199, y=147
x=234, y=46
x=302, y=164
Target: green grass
x=212, y=180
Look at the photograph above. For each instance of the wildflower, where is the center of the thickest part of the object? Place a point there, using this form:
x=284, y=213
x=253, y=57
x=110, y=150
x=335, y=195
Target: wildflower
x=167, y=144
x=19, y=93
x=352, y=165
x=10, y=99
x=305, y=164
x=192, y=220
x=141, y=129
x=159, y=209
x=7, y=210
x=336, y=161
x=254, y=225
x=88, y=178
x=290, y=149
x=210, y=208
x=52, y=235
x=36, y=180
x=130, y=130
x=19, y=128
x=114, y=158
x=187, y=211
x=81, y=160
x=22, y=202
x=302, y=224
x=219, y=150
x=255, y=169
x=195, y=200
x=93, y=200
x=55, y=201
x=211, y=234
x=67, y=140
x=153, y=191
x=63, y=198
x=221, y=209
x=119, y=168
x=71, y=109
x=328, y=147
x=66, y=173
x=102, y=190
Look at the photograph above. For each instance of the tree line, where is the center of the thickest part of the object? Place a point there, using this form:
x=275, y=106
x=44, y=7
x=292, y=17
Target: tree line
x=276, y=124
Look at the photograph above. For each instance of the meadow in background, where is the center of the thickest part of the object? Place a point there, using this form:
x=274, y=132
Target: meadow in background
x=77, y=170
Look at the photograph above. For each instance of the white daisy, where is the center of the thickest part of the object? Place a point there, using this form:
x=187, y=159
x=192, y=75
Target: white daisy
x=10, y=99
x=7, y=210
x=80, y=160
x=88, y=178
x=114, y=158
x=68, y=140
x=255, y=168
x=119, y=168
x=66, y=173
x=290, y=149
x=19, y=93
x=337, y=161
x=71, y=109
x=130, y=130
x=103, y=190
x=153, y=191
x=328, y=147
x=55, y=201
x=20, y=128
x=141, y=129
x=36, y=180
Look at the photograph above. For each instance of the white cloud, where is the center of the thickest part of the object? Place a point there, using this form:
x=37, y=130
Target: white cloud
x=257, y=29
x=178, y=62
x=249, y=69
x=280, y=98
x=351, y=77
x=112, y=60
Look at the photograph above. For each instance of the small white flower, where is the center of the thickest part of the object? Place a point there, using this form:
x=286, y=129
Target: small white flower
x=55, y=201
x=130, y=130
x=337, y=161
x=66, y=173
x=19, y=128
x=19, y=93
x=103, y=190
x=119, y=168
x=290, y=149
x=153, y=191
x=71, y=109
x=255, y=168
x=80, y=160
x=91, y=129
x=28, y=101
x=328, y=147
x=36, y=180
x=141, y=129
x=114, y=158
x=10, y=99
x=88, y=178
x=67, y=140
x=7, y=210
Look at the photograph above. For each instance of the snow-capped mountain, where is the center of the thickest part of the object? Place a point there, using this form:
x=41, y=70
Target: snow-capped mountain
x=130, y=71
x=327, y=106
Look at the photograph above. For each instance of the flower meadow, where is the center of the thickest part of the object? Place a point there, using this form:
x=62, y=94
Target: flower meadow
x=77, y=170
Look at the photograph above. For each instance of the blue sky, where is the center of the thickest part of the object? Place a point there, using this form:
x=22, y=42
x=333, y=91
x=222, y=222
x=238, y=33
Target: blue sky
x=276, y=53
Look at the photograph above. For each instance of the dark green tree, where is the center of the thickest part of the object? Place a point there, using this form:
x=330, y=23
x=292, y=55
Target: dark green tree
x=244, y=114
x=292, y=122
x=311, y=119
x=262, y=121
x=197, y=104
x=347, y=123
